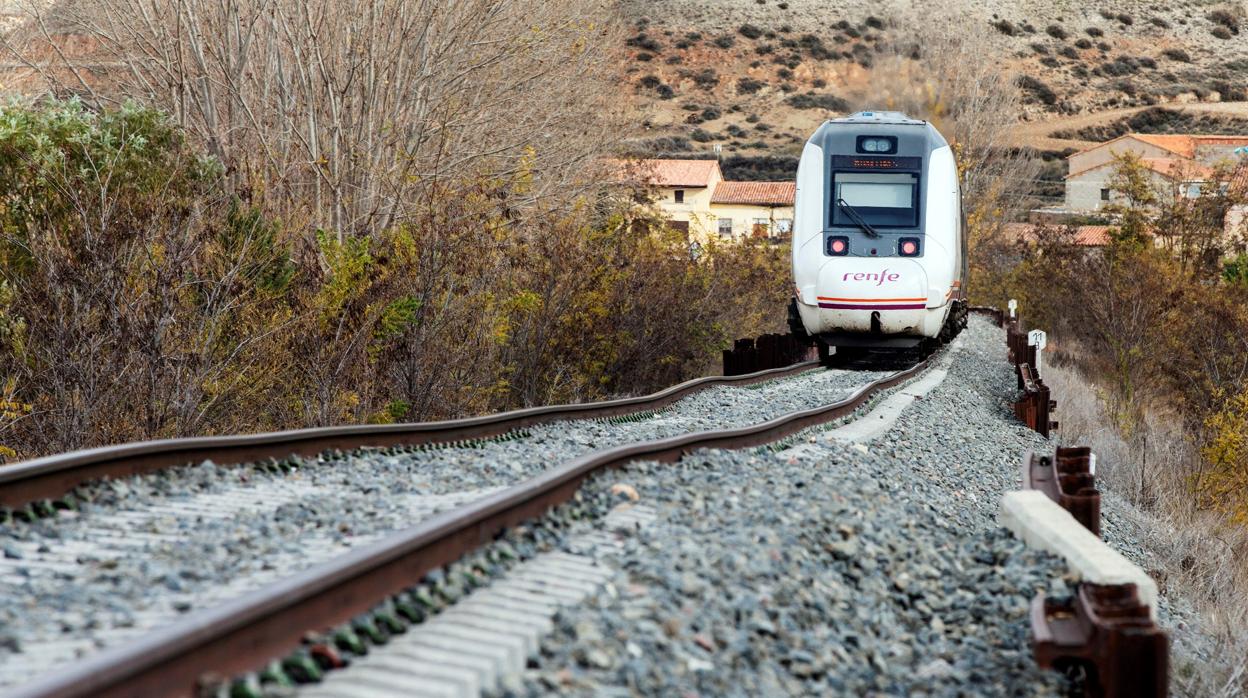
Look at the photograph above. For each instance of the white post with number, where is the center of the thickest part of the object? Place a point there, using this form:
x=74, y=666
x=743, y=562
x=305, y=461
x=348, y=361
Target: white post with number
x=1038, y=339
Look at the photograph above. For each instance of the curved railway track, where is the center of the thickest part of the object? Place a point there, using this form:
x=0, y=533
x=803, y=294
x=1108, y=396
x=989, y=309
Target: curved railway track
x=272, y=620
x=43, y=481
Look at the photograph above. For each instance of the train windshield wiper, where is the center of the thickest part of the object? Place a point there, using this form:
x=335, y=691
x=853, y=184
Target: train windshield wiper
x=862, y=223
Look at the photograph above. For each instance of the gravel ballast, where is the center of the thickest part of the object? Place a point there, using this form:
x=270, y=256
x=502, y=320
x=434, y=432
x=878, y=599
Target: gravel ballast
x=189, y=537
x=827, y=568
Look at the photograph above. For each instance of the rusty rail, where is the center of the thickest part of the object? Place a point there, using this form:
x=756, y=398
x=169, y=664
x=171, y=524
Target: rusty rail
x=767, y=352
x=1068, y=479
x=246, y=633
x=42, y=480
x=1035, y=405
x=1016, y=340
x=1104, y=638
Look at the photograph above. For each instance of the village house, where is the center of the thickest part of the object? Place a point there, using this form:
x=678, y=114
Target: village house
x=1179, y=163
x=694, y=197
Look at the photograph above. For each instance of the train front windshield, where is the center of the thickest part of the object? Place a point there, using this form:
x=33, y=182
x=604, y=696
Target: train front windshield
x=888, y=200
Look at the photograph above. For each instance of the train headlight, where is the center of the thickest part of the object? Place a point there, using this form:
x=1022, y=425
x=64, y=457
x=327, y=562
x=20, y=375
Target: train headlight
x=877, y=144
x=838, y=246
x=908, y=247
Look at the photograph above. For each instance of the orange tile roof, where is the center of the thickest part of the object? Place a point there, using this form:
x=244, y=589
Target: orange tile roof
x=1183, y=145
x=764, y=193
x=1177, y=144
x=667, y=173
x=1166, y=167
x=1177, y=167
x=1085, y=235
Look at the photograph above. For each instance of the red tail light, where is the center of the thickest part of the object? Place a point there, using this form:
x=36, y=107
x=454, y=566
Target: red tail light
x=908, y=247
x=838, y=246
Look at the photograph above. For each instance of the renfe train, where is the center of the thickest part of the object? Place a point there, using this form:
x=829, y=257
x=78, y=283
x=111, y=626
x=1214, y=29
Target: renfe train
x=879, y=242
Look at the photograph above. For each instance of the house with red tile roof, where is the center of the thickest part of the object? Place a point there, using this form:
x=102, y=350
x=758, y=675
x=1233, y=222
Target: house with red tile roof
x=1083, y=235
x=1177, y=163
x=694, y=197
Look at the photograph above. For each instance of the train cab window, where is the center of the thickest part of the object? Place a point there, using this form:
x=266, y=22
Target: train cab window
x=888, y=199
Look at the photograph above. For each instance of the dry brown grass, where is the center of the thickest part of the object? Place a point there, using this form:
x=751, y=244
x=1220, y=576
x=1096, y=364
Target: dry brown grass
x=1199, y=559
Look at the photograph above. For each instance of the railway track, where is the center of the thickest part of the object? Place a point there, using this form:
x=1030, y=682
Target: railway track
x=788, y=555
x=294, y=583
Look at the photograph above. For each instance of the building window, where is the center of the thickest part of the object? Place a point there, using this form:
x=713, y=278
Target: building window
x=680, y=196
x=1104, y=195
x=725, y=227
x=761, y=226
x=784, y=226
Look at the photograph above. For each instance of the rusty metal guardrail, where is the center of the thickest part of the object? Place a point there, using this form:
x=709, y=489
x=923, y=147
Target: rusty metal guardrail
x=246, y=633
x=1035, y=405
x=38, y=487
x=1104, y=639
x=766, y=352
x=1068, y=478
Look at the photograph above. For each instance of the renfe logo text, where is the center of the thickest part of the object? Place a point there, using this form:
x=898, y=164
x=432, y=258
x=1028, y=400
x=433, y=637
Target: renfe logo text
x=878, y=278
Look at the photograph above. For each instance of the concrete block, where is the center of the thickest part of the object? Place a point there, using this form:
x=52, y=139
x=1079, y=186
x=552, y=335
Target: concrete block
x=1040, y=523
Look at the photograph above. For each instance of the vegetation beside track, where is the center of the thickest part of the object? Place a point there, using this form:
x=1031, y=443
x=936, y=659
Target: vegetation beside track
x=143, y=297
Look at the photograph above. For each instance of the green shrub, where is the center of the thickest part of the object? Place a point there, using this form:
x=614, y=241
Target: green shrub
x=749, y=31
x=645, y=42
x=1036, y=90
x=812, y=100
x=1225, y=19
x=1006, y=27
x=748, y=86
x=706, y=78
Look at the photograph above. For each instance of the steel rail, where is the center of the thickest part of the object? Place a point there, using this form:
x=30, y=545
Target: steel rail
x=247, y=632
x=53, y=476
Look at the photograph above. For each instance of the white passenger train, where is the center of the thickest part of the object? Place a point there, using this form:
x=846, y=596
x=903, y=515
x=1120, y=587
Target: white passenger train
x=879, y=244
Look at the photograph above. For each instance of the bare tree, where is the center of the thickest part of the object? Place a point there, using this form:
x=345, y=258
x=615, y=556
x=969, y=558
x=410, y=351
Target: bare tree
x=342, y=113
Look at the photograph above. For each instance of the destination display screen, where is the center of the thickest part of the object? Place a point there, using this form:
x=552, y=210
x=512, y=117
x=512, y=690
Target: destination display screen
x=862, y=162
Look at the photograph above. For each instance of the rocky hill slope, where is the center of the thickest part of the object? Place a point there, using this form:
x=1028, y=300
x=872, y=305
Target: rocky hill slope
x=755, y=77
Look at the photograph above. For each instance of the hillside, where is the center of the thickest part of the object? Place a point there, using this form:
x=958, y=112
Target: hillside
x=757, y=76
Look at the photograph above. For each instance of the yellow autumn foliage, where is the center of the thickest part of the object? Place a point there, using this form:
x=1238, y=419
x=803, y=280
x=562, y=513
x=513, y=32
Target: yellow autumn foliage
x=1223, y=486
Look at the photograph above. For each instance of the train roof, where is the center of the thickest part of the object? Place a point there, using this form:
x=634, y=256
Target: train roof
x=917, y=137
x=879, y=117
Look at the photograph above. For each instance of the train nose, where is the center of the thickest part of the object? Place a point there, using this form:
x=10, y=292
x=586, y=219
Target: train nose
x=884, y=296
